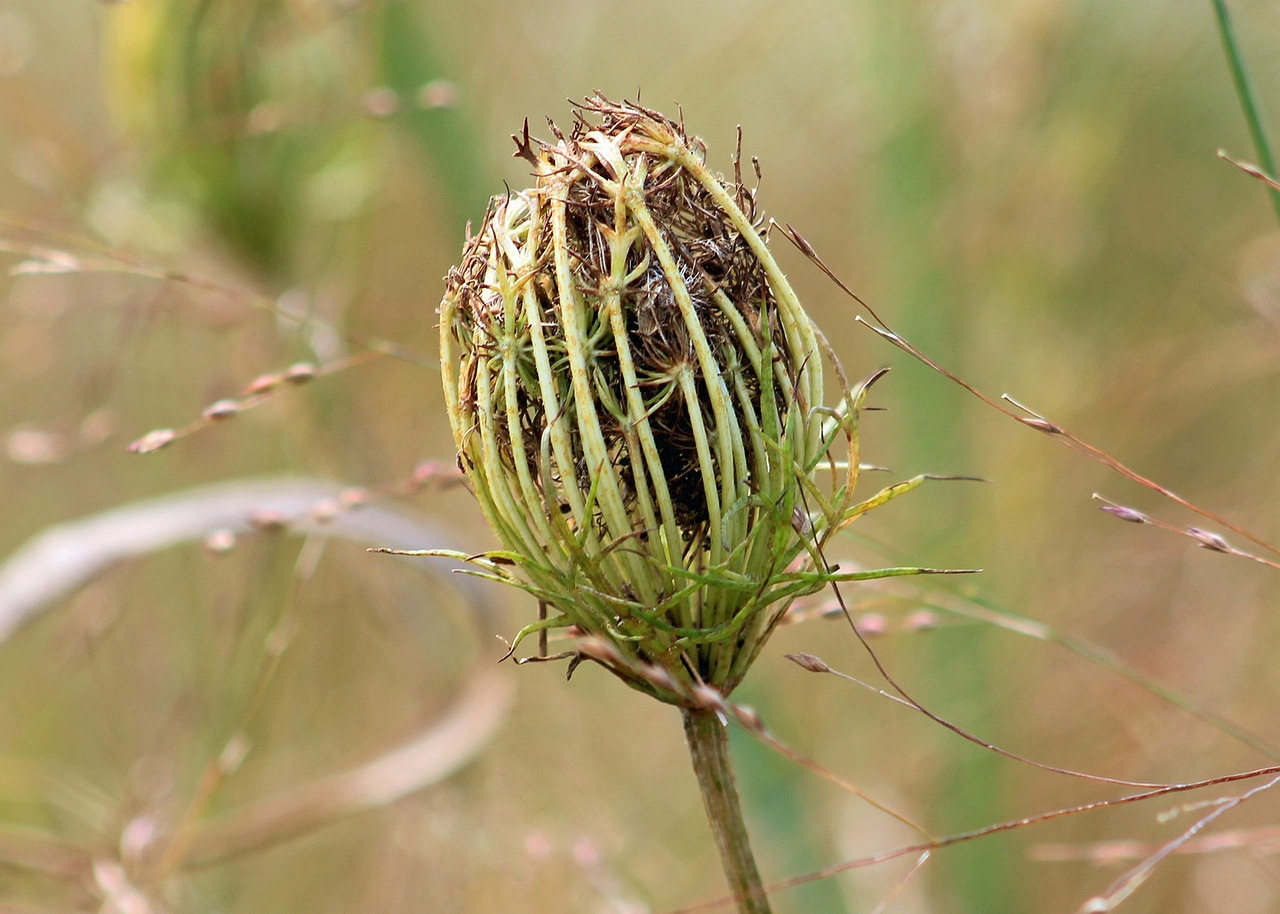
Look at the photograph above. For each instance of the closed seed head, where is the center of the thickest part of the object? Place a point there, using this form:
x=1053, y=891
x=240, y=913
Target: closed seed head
x=635, y=392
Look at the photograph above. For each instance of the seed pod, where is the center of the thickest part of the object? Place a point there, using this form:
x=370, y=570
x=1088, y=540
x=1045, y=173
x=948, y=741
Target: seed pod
x=636, y=397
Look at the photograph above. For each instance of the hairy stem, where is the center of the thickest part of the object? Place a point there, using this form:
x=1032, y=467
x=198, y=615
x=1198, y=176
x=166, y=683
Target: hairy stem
x=709, y=750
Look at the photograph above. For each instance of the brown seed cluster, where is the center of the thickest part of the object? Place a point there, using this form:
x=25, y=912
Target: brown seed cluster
x=717, y=270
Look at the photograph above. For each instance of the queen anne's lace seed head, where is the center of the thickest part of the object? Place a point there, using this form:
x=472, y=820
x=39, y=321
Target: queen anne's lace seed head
x=636, y=397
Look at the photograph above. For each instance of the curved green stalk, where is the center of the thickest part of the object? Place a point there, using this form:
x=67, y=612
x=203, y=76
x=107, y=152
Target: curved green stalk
x=1244, y=91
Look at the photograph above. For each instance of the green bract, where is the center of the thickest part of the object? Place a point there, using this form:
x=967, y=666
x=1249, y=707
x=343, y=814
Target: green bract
x=636, y=396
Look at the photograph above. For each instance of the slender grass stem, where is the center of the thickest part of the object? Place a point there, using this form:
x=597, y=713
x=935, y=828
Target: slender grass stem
x=709, y=750
x=1244, y=91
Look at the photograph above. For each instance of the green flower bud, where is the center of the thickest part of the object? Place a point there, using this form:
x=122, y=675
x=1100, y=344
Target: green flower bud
x=636, y=395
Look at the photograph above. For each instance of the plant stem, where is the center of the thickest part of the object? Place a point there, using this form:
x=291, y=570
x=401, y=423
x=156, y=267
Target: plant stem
x=1244, y=91
x=709, y=750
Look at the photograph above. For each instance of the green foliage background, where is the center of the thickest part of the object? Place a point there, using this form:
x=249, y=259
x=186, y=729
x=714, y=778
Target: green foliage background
x=1026, y=189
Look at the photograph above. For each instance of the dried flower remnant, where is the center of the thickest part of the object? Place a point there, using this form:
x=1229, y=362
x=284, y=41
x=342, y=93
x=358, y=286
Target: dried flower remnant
x=636, y=395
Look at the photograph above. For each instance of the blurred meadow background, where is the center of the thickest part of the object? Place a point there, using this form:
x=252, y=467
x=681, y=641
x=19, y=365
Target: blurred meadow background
x=221, y=702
